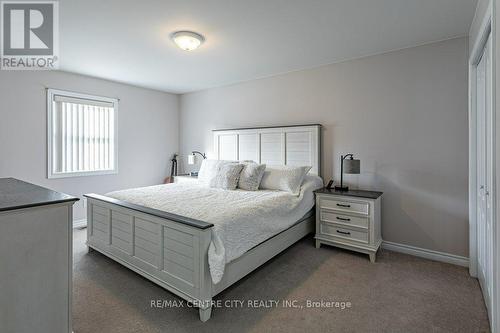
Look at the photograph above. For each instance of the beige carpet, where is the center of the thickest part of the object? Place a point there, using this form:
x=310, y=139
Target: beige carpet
x=399, y=293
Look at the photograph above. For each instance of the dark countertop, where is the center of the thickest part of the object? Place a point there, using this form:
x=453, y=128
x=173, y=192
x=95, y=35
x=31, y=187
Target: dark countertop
x=351, y=193
x=16, y=194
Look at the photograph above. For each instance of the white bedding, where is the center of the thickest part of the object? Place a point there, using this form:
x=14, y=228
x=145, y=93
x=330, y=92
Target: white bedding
x=242, y=219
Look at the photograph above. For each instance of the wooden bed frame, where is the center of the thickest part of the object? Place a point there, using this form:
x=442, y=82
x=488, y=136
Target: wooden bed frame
x=172, y=250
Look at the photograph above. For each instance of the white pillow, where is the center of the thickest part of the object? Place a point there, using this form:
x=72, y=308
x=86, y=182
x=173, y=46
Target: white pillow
x=209, y=168
x=227, y=176
x=284, y=178
x=251, y=175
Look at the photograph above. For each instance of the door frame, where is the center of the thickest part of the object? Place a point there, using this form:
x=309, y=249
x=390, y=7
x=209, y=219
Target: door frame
x=487, y=28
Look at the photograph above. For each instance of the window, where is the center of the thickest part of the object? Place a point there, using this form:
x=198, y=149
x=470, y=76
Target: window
x=81, y=133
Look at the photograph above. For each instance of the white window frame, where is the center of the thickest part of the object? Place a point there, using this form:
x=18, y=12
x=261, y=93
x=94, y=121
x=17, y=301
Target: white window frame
x=51, y=93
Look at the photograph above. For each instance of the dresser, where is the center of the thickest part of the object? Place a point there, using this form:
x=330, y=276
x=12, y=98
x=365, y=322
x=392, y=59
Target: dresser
x=35, y=258
x=350, y=220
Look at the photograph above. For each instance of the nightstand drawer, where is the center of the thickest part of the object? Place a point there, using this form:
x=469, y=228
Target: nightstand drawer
x=345, y=206
x=345, y=233
x=333, y=217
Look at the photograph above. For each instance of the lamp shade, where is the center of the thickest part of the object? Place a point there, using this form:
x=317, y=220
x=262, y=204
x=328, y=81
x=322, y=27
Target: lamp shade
x=352, y=166
x=191, y=159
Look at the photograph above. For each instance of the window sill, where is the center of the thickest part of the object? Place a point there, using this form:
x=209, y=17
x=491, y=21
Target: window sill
x=81, y=174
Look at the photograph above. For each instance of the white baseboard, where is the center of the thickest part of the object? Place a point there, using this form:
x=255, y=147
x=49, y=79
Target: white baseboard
x=428, y=254
x=79, y=223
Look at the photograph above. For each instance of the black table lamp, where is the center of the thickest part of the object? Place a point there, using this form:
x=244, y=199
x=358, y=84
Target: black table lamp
x=192, y=156
x=348, y=165
x=192, y=160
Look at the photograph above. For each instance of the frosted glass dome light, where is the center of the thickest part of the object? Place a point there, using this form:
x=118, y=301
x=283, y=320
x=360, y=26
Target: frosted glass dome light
x=187, y=40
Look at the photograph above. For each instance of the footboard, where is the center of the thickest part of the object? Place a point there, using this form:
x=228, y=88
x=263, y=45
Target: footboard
x=168, y=249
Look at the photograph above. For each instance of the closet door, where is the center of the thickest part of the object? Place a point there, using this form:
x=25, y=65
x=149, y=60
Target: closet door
x=484, y=173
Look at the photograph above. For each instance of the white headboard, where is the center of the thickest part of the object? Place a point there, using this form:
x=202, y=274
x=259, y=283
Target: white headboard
x=287, y=145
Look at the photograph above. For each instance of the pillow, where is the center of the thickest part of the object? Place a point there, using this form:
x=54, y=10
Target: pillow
x=208, y=170
x=251, y=175
x=284, y=178
x=227, y=176
x=312, y=182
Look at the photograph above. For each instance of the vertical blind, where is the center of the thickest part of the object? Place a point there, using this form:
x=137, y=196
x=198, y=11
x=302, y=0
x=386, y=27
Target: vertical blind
x=83, y=135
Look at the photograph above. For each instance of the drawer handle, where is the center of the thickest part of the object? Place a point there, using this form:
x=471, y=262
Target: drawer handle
x=343, y=232
x=343, y=205
x=342, y=218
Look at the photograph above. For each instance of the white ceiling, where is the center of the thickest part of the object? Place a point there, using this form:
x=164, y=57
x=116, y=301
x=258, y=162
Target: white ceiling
x=128, y=40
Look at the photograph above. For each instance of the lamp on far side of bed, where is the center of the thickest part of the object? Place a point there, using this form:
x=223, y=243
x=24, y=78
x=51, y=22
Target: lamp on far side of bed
x=348, y=165
x=192, y=157
x=192, y=160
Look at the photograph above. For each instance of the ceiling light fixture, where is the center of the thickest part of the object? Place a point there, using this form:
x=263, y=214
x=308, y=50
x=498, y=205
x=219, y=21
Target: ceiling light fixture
x=187, y=40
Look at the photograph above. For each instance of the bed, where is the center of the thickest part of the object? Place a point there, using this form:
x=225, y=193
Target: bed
x=196, y=241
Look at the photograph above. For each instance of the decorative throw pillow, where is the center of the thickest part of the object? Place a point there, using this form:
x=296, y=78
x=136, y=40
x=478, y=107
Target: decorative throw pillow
x=227, y=176
x=208, y=170
x=284, y=178
x=251, y=175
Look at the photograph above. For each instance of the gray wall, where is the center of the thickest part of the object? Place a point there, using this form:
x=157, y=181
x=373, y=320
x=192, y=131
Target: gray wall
x=147, y=128
x=404, y=114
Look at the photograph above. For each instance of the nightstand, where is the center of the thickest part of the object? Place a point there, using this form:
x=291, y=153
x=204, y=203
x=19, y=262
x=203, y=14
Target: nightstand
x=350, y=220
x=185, y=179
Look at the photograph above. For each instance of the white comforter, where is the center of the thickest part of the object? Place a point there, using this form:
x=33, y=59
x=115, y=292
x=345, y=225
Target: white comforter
x=242, y=219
